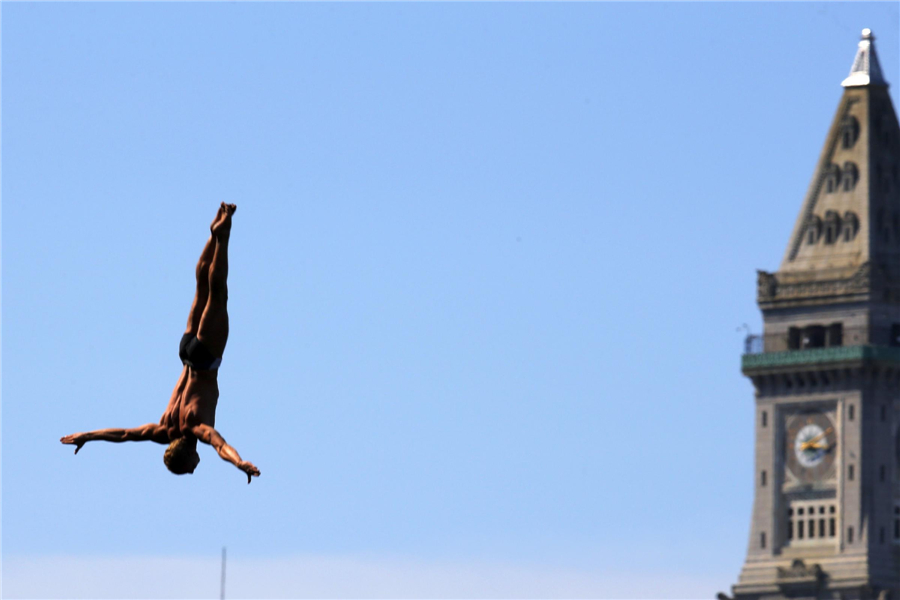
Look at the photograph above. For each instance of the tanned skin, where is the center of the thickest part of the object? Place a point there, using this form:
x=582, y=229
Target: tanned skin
x=191, y=412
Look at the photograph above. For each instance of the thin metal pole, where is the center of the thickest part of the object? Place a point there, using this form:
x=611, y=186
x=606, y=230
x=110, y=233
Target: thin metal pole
x=222, y=595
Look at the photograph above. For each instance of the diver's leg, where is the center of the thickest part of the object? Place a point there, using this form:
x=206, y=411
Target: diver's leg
x=213, y=331
x=202, y=272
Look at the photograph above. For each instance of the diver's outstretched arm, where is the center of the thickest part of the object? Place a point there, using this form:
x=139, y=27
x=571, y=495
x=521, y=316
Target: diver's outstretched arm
x=152, y=432
x=209, y=435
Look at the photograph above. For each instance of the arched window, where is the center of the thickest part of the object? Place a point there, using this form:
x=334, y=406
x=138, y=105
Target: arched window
x=832, y=226
x=849, y=131
x=813, y=229
x=850, y=176
x=832, y=178
x=849, y=226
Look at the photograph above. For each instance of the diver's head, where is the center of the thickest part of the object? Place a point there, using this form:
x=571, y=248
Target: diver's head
x=181, y=456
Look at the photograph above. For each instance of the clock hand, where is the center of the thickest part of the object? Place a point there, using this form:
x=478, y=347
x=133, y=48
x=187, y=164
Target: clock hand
x=818, y=437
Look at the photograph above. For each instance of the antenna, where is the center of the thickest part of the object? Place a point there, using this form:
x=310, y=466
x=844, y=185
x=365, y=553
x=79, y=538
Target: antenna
x=222, y=594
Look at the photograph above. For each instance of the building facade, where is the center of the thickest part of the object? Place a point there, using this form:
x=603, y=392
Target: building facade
x=826, y=370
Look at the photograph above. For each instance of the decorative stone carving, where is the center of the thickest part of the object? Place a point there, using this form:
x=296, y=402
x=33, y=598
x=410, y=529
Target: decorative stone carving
x=862, y=279
x=769, y=288
x=766, y=285
x=799, y=570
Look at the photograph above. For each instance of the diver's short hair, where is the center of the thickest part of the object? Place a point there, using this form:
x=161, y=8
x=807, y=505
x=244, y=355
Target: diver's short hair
x=181, y=457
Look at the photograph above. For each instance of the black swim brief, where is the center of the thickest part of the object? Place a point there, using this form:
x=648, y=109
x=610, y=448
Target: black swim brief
x=195, y=355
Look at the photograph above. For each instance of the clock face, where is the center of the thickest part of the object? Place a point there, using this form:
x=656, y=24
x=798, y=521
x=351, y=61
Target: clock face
x=811, y=446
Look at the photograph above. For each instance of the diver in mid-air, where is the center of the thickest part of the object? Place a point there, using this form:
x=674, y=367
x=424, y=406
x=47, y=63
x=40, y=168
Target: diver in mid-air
x=191, y=414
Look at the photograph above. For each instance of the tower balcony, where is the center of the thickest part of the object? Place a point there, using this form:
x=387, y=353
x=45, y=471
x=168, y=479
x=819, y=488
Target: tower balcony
x=760, y=363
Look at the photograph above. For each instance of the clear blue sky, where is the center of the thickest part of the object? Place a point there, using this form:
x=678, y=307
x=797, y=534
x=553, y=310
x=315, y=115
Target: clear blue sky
x=487, y=271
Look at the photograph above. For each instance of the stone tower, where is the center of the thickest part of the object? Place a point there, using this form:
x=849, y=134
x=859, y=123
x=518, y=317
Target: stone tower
x=826, y=370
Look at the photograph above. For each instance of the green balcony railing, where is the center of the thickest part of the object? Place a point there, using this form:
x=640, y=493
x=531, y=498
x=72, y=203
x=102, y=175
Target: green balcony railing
x=818, y=356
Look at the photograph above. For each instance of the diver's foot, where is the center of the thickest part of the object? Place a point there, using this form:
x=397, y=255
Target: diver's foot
x=221, y=227
x=220, y=214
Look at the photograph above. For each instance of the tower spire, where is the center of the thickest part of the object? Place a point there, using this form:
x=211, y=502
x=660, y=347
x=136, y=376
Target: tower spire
x=850, y=222
x=865, y=69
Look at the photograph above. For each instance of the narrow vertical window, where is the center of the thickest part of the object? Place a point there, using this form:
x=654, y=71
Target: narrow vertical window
x=821, y=528
x=762, y=539
x=849, y=131
x=831, y=527
x=849, y=535
x=849, y=225
x=813, y=229
x=765, y=418
x=851, y=412
x=850, y=472
x=762, y=479
x=812, y=528
x=850, y=176
x=832, y=178
x=800, y=529
x=832, y=227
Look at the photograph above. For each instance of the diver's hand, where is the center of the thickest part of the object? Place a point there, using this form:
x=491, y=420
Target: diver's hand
x=76, y=439
x=249, y=469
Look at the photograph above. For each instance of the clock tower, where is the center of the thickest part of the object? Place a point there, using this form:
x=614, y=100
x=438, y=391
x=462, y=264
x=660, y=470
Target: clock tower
x=826, y=370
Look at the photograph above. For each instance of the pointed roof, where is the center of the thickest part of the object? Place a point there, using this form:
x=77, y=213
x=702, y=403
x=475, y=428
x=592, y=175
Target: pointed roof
x=865, y=69
x=846, y=238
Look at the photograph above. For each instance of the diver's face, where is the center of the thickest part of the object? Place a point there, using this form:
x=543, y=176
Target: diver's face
x=196, y=461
